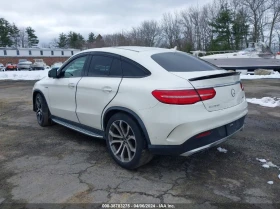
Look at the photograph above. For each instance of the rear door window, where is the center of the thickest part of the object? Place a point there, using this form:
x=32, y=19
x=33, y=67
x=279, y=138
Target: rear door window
x=100, y=66
x=181, y=62
x=105, y=66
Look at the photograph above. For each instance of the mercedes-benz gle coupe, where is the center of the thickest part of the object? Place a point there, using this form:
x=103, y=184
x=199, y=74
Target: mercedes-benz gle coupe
x=143, y=101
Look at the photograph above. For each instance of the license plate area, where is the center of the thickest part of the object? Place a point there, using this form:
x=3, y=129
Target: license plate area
x=234, y=126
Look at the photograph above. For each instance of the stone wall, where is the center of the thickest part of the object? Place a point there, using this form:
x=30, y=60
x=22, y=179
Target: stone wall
x=48, y=60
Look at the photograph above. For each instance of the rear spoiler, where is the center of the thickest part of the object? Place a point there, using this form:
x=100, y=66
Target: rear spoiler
x=214, y=76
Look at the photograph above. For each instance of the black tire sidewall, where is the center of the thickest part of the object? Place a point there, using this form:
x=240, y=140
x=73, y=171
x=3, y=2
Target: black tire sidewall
x=140, y=140
x=45, y=111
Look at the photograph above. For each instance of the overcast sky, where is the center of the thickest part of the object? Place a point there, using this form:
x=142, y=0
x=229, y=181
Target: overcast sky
x=51, y=17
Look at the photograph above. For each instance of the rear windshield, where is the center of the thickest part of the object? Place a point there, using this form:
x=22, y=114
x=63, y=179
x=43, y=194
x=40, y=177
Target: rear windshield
x=181, y=62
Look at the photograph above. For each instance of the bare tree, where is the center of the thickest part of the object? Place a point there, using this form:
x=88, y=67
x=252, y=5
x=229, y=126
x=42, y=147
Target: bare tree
x=135, y=37
x=195, y=18
x=53, y=43
x=187, y=29
x=257, y=9
x=45, y=45
x=150, y=31
x=190, y=29
x=147, y=34
x=116, y=39
x=23, y=38
x=277, y=30
x=275, y=13
x=171, y=30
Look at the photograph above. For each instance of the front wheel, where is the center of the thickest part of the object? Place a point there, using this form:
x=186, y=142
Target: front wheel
x=42, y=111
x=126, y=142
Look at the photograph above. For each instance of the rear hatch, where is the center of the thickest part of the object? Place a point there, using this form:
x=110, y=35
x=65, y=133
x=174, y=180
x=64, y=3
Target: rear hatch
x=223, y=88
x=228, y=89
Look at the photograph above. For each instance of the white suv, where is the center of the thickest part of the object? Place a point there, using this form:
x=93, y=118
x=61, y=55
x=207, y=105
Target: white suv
x=143, y=101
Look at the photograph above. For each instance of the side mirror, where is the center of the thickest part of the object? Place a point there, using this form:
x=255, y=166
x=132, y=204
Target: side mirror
x=53, y=73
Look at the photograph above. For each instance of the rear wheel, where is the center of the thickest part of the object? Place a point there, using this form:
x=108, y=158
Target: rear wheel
x=42, y=111
x=126, y=142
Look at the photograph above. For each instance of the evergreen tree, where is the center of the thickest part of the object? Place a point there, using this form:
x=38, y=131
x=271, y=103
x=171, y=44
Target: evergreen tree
x=62, y=41
x=240, y=30
x=75, y=40
x=31, y=37
x=15, y=35
x=222, y=29
x=5, y=33
x=91, y=37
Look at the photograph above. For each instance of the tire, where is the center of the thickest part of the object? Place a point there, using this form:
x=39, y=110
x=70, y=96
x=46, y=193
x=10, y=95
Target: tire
x=123, y=137
x=42, y=111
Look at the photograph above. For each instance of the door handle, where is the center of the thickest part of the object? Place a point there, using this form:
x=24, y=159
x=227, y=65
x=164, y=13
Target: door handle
x=71, y=85
x=107, y=89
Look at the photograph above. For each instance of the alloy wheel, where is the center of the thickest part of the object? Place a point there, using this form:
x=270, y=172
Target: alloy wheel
x=39, y=110
x=122, y=141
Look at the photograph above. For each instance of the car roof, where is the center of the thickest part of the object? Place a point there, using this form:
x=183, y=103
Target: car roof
x=129, y=50
x=139, y=54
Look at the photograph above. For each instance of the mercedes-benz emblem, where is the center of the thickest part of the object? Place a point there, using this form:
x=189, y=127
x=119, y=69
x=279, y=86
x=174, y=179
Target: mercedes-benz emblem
x=232, y=92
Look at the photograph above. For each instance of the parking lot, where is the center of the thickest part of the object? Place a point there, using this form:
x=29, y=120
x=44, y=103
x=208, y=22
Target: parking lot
x=58, y=165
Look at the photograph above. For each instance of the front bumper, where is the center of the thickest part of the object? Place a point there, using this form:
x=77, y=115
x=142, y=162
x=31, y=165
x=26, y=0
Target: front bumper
x=196, y=144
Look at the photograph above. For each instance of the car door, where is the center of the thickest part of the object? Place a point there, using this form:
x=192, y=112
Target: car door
x=62, y=90
x=98, y=88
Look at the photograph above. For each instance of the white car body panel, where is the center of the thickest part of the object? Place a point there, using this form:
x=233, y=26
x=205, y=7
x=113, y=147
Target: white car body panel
x=93, y=94
x=180, y=122
x=222, y=84
x=166, y=124
x=62, y=100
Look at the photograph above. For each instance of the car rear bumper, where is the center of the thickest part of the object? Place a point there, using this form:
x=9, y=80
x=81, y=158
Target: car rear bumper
x=176, y=124
x=38, y=68
x=24, y=66
x=9, y=68
x=196, y=143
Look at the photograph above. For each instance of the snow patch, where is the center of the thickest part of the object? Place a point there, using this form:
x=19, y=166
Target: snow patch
x=279, y=176
x=265, y=101
x=272, y=165
x=275, y=74
x=220, y=149
x=270, y=182
x=261, y=160
x=265, y=166
x=24, y=75
x=269, y=164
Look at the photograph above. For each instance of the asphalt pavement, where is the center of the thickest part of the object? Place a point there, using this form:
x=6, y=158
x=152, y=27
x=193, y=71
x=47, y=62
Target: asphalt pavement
x=58, y=165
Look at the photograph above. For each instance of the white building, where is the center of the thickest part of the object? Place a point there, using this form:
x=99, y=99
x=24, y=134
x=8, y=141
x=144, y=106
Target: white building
x=37, y=52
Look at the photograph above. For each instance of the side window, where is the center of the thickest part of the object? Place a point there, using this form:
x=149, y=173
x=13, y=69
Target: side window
x=74, y=68
x=131, y=69
x=100, y=66
x=116, y=70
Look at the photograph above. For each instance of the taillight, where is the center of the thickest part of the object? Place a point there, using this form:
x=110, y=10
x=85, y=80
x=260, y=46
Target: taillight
x=183, y=97
x=241, y=86
x=206, y=94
